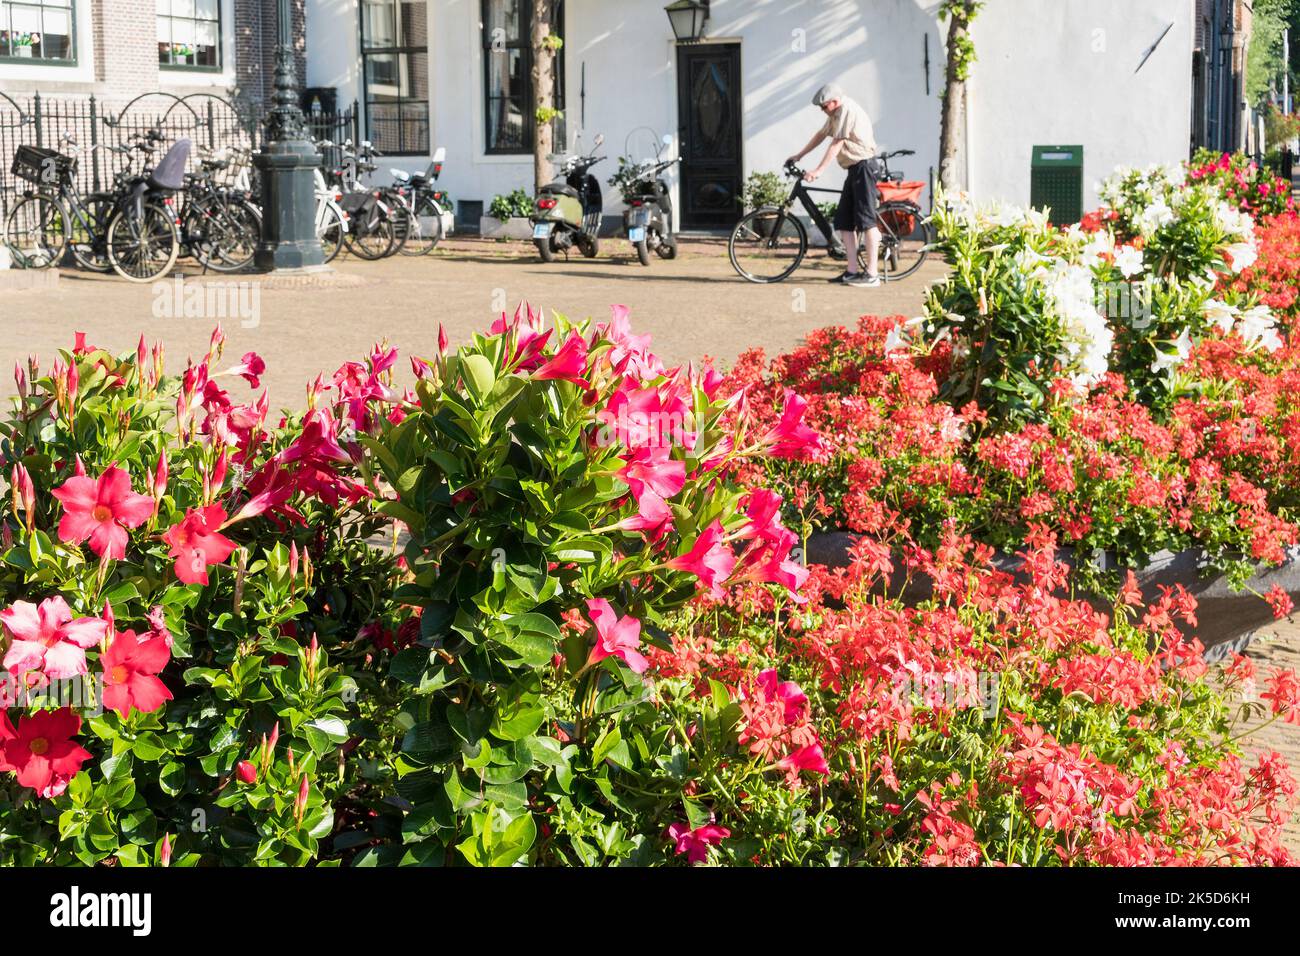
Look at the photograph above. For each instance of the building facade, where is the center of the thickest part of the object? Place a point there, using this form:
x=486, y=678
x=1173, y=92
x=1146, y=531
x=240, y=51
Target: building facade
x=1114, y=76
x=120, y=49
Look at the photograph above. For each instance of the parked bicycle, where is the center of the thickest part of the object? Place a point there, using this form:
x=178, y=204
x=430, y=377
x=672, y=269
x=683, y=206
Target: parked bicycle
x=220, y=227
x=769, y=243
x=131, y=230
x=378, y=224
x=427, y=218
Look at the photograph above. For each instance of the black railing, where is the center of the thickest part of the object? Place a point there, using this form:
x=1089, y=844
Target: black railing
x=209, y=121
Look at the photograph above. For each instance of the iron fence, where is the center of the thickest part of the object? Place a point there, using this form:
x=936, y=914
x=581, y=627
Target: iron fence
x=212, y=123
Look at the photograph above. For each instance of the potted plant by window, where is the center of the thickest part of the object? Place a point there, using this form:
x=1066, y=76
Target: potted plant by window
x=181, y=54
x=764, y=189
x=507, y=217
x=22, y=43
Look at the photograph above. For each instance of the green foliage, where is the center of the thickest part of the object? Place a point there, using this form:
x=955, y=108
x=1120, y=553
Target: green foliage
x=516, y=204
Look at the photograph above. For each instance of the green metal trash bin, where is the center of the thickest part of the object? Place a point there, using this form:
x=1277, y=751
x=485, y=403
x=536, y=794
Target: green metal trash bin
x=1056, y=182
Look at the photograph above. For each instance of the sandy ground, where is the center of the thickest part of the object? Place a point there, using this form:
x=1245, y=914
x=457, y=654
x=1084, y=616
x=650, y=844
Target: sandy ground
x=693, y=306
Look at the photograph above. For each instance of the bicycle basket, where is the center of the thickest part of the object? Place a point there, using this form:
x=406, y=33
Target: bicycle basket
x=36, y=164
x=908, y=191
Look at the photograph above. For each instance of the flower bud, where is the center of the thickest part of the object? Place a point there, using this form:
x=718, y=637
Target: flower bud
x=246, y=772
x=300, y=803
x=165, y=853
x=160, y=476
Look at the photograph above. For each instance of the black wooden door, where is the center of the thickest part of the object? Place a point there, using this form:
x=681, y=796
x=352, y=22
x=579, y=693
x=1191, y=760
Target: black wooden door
x=708, y=113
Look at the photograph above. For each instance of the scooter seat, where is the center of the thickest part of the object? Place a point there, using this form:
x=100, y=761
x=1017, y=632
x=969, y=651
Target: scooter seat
x=563, y=189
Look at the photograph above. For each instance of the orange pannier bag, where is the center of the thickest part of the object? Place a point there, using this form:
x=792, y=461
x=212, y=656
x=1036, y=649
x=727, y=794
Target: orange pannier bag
x=909, y=191
x=897, y=221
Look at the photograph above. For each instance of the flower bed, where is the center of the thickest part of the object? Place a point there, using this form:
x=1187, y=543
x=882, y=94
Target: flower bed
x=549, y=605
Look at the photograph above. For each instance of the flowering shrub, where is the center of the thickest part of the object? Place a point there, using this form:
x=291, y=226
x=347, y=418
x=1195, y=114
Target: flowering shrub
x=170, y=597
x=1130, y=290
x=997, y=723
x=1252, y=187
x=1102, y=470
x=563, y=492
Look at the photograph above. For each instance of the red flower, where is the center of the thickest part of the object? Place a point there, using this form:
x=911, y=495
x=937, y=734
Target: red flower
x=695, y=843
x=246, y=772
x=41, y=750
x=1283, y=694
x=196, y=542
x=131, y=669
x=101, y=510
x=569, y=363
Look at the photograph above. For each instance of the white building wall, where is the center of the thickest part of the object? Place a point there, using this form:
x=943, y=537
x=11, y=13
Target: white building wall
x=1048, y=71
x=1058, y=72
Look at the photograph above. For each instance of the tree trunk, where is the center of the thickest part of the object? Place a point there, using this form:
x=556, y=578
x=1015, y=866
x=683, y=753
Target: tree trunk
x=952, y=124
x=543, y=91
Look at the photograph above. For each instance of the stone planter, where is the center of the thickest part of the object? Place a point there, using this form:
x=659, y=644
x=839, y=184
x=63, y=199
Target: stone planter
x=1226, y=619
x=516, y=227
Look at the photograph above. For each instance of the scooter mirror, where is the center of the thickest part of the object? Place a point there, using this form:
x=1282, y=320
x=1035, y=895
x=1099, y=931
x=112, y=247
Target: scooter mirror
x=600, y=138
x=440, y=154
x=668, y=139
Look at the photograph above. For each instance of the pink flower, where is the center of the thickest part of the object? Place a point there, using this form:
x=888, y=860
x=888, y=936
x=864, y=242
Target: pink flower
x=48, y=639
x=788, y=692
x=250, y=368
x=655, y=468
x=695, y=843
x=790, y=437
x=808, y=758
x=764, y=512
x=101, y=510
x=653, y=517
x=709, y=559
x=196, y=542
x=615, y=636
x=569, y=362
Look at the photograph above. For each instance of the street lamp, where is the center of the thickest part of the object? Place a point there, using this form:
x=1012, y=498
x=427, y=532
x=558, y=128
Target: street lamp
x=688, y=18
x=288, y=161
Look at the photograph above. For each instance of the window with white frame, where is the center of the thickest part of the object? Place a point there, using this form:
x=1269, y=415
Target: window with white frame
x=38, y=31
x=189, y=34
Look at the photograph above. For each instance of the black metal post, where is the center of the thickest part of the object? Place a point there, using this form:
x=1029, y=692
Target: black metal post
x=287, y=161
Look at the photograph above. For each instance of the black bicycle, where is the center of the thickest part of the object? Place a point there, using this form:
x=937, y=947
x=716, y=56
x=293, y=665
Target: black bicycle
x=131, y=230
x=768, y=244
x=220, y=226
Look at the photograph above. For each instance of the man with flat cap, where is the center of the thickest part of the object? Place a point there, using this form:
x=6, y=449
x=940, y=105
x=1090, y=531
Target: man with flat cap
x=852, y=144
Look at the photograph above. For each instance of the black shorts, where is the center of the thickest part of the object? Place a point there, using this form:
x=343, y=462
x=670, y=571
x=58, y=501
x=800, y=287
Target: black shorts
x=857, y=208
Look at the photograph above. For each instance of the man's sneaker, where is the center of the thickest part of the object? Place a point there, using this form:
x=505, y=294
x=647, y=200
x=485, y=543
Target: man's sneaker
x=862, y=281
x=839, y=278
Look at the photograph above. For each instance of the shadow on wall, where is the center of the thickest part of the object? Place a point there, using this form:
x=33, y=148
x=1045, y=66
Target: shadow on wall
x=875, y=50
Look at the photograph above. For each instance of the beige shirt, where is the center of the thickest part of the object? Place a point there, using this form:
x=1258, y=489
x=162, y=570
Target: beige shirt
x=851, y=124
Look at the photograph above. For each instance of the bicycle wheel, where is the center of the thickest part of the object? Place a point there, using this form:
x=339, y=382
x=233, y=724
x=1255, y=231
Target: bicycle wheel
x=767, y=245
x=372, y=240
x=36, y=232
x=143, y=248
x=905, y=238
x=87, y=240
x=401, y=219
x=425, y=229
x=331, y=231
x=224, y=233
